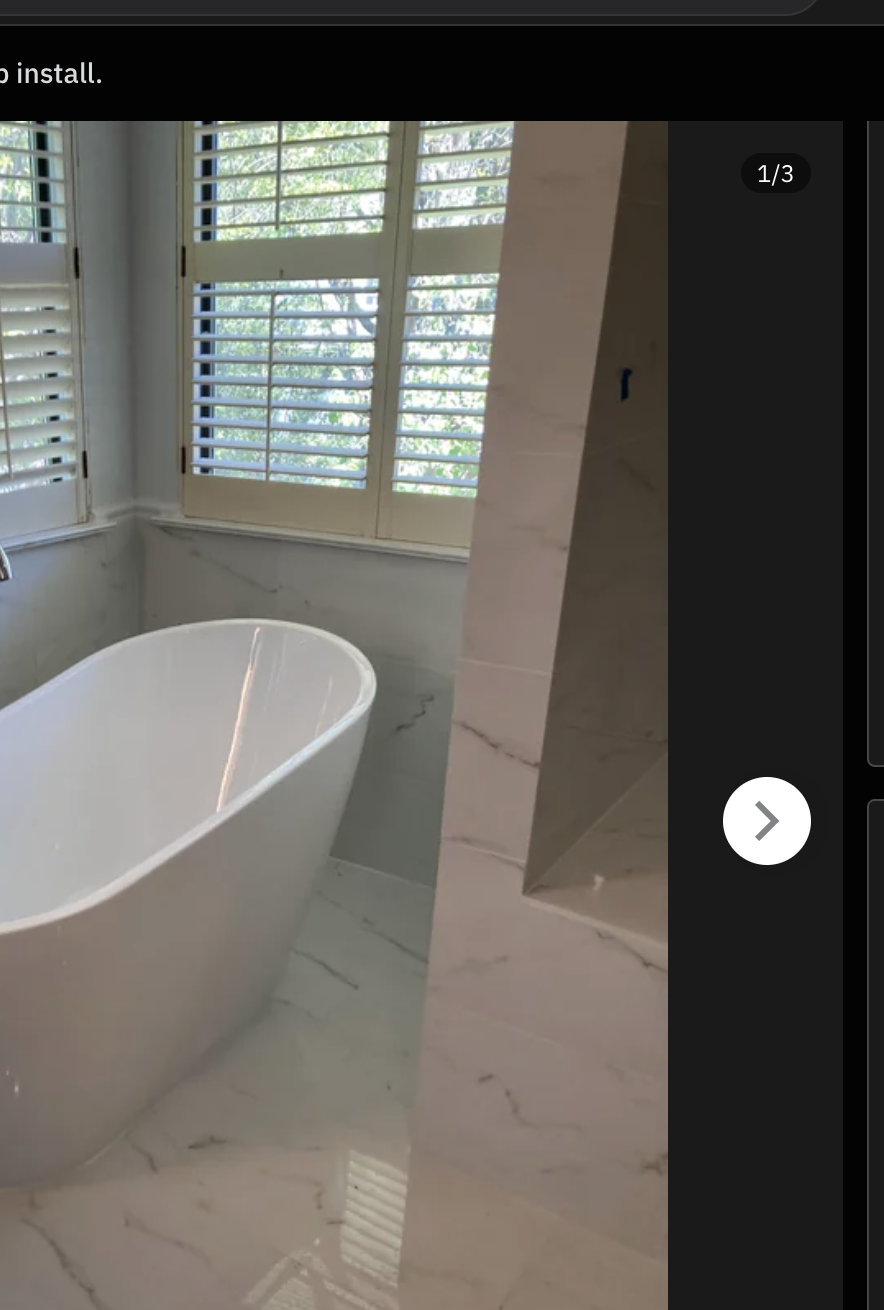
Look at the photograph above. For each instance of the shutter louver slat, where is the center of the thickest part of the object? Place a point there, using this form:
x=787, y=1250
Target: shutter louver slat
x=460, y=198
x=38, y=427
x=39, y=388
x=22, y=460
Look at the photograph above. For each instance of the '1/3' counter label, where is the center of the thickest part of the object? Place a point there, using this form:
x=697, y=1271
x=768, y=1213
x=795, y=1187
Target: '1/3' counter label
x=784, y=174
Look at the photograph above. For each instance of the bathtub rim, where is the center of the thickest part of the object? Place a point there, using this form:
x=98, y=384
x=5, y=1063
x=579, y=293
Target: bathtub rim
x=360, y=707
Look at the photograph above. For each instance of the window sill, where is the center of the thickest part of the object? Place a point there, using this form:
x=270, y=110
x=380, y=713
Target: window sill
x=414, y=550
x=31, y=540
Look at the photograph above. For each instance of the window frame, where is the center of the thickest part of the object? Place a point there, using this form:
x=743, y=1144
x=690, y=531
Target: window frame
x=28, y=512
x=399, y=252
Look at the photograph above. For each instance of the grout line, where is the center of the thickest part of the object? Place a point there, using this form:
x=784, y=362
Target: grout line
x=508, y=668
x=645, y=435
x=383, y=873
x=484, y=850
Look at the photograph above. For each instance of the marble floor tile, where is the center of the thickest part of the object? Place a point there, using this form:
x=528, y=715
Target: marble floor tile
x=578, y=1270
x=566, y=1128
x=469, y=1245
x=277, y=1177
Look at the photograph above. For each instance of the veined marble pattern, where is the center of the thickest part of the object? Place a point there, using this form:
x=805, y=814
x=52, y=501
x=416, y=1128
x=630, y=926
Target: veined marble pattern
x=519, y=557
x=497, y=735
x=559, y=977
x=543, y=1065
x=392, y=607
x=556, y=252
x=544, y=1058
x=277, y=1176
x=563, y=1127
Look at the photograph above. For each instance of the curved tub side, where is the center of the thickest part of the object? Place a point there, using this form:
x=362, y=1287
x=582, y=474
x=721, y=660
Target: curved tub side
x=179, y=727
x=105, y=1010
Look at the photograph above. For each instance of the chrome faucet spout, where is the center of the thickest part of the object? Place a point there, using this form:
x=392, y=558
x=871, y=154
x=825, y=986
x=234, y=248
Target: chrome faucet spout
x=5, y=566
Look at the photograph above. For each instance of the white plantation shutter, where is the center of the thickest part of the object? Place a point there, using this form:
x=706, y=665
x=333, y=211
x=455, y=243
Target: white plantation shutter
x=296, y=401
x=292, y=236
x=39, y=389
x=339, y=300
x=449, y=322
x=39, y=409
x=32, y=182
x=444, y=328
x=463, y=172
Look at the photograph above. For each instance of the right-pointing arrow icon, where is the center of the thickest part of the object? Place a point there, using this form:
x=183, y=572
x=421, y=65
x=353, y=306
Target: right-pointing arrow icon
x=767, y=827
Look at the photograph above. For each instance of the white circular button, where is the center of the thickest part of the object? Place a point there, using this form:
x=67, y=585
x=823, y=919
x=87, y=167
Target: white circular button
x=767, y=821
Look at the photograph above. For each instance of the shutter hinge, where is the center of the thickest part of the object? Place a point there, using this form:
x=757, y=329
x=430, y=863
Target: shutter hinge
x=184, y=261
x=76, y=261
x=84, y=463
x=183, y=459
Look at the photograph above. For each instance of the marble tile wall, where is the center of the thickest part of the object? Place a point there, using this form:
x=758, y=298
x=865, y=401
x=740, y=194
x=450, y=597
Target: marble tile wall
x=608, y=721
x=543, y=1065
x=404, y=613
x=66, y=601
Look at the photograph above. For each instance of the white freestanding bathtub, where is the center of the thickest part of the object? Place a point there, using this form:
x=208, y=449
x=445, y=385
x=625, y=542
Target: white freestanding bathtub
x=164, y=807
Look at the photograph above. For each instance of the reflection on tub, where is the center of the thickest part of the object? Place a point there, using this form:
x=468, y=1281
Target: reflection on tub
x=164, y=807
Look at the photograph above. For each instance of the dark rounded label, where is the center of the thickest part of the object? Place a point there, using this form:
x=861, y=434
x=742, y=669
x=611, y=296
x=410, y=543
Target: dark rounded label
x=784, y=174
